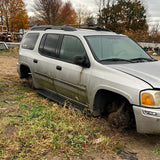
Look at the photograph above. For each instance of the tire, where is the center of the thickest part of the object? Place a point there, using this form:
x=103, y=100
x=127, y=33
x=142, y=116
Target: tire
x=120, y=118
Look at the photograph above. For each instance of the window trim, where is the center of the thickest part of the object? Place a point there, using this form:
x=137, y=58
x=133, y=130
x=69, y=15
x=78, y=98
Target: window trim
x=60, y=45
x=93, y=53
x=38, y=34
x=57, y=46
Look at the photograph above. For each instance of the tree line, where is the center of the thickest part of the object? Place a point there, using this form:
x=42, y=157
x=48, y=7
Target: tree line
x=122, y=16
x=54, y=12
x=13, y=15
x=126, y=17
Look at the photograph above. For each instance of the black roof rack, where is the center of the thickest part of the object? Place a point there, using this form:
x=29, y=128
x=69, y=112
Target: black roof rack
x=68, y=27
x=45, y=27
x=92, y=27
x=97, y=28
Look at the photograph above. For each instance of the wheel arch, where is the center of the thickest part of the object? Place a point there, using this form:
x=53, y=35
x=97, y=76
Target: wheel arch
x=25, y=71
x=102, y=97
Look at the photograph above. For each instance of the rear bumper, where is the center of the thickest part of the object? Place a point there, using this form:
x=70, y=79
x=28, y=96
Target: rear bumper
x=147, y=119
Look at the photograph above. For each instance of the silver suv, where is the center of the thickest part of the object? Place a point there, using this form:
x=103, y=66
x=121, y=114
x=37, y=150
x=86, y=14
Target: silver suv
x=102, y=71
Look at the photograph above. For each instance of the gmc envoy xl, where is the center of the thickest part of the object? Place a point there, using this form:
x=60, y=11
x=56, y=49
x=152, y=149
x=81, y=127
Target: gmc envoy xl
x=99, y=70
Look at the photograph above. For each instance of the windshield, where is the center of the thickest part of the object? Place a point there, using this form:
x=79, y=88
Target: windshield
x=114, y=48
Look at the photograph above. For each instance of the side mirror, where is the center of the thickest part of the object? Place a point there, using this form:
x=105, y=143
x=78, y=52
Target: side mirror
x=82, y=61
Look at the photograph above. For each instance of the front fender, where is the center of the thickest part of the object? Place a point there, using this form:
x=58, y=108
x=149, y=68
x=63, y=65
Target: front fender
x=130, y=93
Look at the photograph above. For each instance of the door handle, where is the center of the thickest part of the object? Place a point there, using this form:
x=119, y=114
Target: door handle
x=35, y=61
x=59, y=68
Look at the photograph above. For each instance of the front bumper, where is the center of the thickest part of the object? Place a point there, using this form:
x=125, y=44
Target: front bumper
x=147, y=119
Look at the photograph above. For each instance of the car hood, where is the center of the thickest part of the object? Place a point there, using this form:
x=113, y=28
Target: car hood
x=146, y=71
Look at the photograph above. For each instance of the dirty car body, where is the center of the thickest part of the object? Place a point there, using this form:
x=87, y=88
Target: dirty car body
x=94, y=69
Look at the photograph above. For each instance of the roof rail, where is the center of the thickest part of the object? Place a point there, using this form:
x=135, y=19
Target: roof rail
x=92, y=27
x=97, y=28
x=45, y=27
x=68, y=27
x=80, y=25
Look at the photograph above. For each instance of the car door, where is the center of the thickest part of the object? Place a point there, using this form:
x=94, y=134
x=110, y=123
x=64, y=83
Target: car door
x=44, y=66
x=71, y=79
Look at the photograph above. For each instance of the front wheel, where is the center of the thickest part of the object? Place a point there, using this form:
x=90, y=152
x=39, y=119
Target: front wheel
x=120, y=118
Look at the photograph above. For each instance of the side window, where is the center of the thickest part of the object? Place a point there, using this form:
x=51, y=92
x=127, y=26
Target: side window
x=48, y=45
x=71, y=46
x=30, y=40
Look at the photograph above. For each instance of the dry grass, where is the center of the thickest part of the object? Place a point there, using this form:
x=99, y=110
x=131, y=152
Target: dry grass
x=11, y=51
x=33, y=127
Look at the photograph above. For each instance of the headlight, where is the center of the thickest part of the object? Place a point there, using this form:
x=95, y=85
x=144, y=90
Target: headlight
x=150, y=98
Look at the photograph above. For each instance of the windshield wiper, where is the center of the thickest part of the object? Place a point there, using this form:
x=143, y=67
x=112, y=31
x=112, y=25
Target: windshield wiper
x=115, y=60
x=142, y=59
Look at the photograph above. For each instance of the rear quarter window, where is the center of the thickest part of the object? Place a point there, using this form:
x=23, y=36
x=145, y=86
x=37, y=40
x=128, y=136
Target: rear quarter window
x=48, y=45
x=30, y=40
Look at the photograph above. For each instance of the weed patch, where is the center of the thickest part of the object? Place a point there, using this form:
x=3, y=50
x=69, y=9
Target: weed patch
x=13, y=50
x=44, y=127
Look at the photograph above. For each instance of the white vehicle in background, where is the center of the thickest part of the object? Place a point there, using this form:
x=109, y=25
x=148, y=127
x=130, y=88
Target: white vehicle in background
x=102, y=71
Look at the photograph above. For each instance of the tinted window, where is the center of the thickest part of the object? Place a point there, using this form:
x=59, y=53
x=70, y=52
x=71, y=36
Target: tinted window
x=71, y=46
x=48, y=45
x=30, y=40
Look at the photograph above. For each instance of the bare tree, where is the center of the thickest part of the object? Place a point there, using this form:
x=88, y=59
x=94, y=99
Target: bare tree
x=47, y=10
x=155, y=34
x=82, y=14
x=99, y=4
x=102, y=4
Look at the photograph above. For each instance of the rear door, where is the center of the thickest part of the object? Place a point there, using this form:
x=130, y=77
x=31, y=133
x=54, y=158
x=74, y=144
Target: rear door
x=44, y=66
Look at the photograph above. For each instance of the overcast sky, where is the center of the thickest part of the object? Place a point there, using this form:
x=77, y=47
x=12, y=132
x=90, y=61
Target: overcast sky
x=153, y=8
x=154, y=11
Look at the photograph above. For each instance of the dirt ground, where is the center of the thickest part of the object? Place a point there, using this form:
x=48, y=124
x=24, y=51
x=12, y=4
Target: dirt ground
x=137, y=146
x=8, y=66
